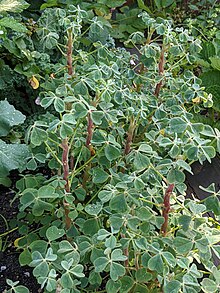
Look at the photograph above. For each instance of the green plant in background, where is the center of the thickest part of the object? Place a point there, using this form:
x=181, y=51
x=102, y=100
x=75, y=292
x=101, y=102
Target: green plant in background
x=210, y=62
x=13, y=155
x=117, y=137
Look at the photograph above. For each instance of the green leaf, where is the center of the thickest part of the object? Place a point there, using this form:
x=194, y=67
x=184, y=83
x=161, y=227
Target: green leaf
x=140, y=288
x=169, y=258
x=47, y=101
x=25, y=257
x=212, y=204
x=142, y=276
x=31, y=165
x=144, y=214
x=40, y=246
x=175, y=176
x=126, y=284
x=113, y=287
x=38, y=136
x=97, y=117
x=143, y=6
x=102, y=234
x=100, y=264
x=192, y=153
x=111, y=242
x=105, y=195
x=78, y=271
x=50, y=280
x=65, y=130
x=208, y=50
x=141, y=161
x=99, y=175
x=209, y=285
x=54, y=233
x=117, y=255
x=21, y=289
x=111, y=152
x=90, y=226
x=184, y=165
x=81, y=88
x=59, y=105
x=69, y=251
x=94, y=209
x=47, y=191
x=13, y=5
x=196, y=208
x=95, y=278
x=113, y=3
x=215, y=62
x=183, y=245
x=155, y=263
x=66, y=280
x=184, y=221
x=178, y=125
x=118, y=203
x=12, y=156
x=11, y=23
x=166, y=3
x=172, y=287
x=5, y=180
x=116, y=271
x=50, y=3
x=9, y=117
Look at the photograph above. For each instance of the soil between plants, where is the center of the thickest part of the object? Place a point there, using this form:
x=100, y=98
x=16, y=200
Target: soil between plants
x=9, y=264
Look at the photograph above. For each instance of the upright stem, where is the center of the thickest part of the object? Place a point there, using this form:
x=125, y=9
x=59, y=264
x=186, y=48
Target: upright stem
x=70, y=52
x=161, y=72
x=90, y=127
x=70, y=72
x=65, y=162
x=166, y=208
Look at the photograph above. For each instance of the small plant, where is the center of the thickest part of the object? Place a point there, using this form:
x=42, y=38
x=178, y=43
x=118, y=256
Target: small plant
x=112, y=215
x=15, y=288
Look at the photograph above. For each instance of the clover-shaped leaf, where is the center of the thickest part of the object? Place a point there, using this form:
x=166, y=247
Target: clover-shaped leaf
x=54, y=233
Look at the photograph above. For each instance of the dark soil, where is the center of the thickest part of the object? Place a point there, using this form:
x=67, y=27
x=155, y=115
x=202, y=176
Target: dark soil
x=9, y=264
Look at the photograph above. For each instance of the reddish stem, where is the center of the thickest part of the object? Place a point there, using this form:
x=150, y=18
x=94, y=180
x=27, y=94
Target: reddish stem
x=129, y=139
x=90, y=127
x=89, y=130
x=71, y=162
x=161, y=72
x=65, y=158
x=166, y=208
x=69, y=53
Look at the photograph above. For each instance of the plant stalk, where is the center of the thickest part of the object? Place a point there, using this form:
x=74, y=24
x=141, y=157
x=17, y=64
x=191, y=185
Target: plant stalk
x=65, y=162
x=70, y=52
x=90, y=127
x=166, y=209
x=161, y=72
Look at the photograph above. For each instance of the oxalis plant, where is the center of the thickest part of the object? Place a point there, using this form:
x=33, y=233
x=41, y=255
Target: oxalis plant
x=112, y=215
